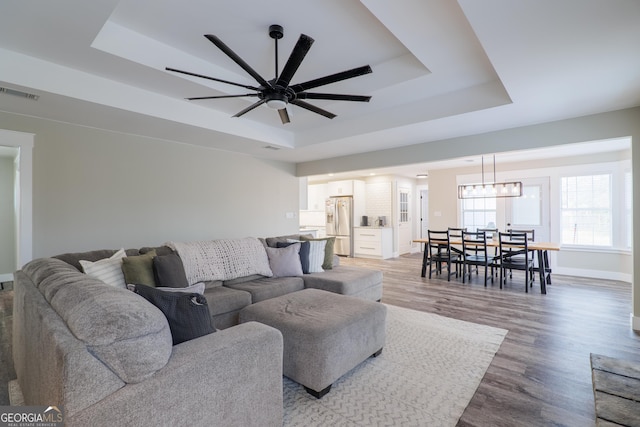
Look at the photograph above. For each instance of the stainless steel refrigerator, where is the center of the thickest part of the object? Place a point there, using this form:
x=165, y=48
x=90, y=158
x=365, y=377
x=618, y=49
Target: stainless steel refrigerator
x=339, y=223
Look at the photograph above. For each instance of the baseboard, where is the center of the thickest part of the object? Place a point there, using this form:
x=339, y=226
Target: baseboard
x=6, y=277
x=593, y=274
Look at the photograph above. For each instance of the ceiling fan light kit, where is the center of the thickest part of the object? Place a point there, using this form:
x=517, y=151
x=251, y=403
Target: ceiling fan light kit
x=278, y=93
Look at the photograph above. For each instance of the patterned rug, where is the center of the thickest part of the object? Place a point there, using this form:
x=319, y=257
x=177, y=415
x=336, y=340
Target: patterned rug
x=426, y=375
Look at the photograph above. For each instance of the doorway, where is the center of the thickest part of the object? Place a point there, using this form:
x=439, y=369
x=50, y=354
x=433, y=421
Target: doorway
x=20, y=147
x=531, y=211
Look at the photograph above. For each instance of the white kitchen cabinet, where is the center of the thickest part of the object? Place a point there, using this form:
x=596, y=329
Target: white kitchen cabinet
x=355, y=188
x=316, y=197
x=372, y=242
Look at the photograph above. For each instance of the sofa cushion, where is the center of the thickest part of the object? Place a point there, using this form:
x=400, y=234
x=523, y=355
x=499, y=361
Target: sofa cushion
x=168, y=271
x=269, y=287
x=108, y=270
x=73, y=258
x=119, y=328
x=285, y=261
x=139, y=269
x=345, y=280
x=272, y=242
x=223, y=299
x=304, y=254
x=187, y=312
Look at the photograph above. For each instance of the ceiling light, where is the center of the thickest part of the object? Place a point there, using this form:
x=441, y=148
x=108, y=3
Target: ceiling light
x=490, y=190
x=422, y=175
x=277, y=101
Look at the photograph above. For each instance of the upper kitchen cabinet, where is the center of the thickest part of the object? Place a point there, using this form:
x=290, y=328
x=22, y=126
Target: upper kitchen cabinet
x=316, y=197
x=345, y=188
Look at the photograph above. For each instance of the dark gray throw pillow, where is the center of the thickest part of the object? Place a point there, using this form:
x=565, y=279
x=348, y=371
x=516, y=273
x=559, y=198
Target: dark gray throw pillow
x=187, y=313
x=168, y=271
x=305, y=247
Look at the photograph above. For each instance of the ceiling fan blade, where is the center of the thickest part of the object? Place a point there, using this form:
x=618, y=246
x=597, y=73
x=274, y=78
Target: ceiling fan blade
x=284, y=116
x=221, y=96
x=344, y=75
x=211, y=78
x=231, y=54
x=313, y=108
x=332, y=96
x=295, y=59
x=250, y=107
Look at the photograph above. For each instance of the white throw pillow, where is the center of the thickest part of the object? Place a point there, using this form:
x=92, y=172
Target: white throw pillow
x=316, y=255
x=109, y=270
x=196, y=288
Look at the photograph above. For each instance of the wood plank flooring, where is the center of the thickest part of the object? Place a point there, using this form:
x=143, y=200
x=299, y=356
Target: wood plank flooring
x=540, y=376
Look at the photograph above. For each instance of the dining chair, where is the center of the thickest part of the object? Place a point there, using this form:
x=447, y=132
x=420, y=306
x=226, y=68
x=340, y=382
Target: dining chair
x=514, y=254
x=455, y=233
x=475, y=253
x=440, y=252
x=492, y=234
x=530, y=236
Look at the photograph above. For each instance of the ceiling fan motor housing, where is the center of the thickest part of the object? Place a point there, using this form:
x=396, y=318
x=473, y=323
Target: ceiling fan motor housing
x=276, y=31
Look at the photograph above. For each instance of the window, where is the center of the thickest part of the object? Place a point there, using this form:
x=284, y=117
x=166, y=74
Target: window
x=586, y=217
x=478, y=213
x=404, y=206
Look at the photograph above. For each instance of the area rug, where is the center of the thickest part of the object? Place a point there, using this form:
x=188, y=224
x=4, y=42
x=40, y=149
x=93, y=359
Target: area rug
x=426, y=375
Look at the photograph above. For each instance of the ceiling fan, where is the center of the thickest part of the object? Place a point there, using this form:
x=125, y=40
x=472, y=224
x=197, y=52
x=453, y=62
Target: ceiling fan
x=278, y=92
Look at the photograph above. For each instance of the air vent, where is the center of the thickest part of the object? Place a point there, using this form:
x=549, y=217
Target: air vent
x=19, y=93
x=271, y=147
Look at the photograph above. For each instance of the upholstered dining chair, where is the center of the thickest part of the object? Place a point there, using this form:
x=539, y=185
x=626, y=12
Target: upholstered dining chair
x=514, y=254
x=440, y=252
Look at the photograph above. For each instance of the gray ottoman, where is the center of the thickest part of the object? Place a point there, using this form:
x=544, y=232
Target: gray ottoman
x=325, y=334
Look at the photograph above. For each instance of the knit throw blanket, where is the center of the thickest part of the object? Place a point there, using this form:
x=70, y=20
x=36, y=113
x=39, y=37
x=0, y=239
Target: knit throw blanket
x=223, y=259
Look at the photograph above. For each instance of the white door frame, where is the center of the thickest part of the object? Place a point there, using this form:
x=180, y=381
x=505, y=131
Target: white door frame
x=24, y=194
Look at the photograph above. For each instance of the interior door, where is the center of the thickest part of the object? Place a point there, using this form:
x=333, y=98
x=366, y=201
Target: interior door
x=404, y=220
x=424, y=213
x=531, y=211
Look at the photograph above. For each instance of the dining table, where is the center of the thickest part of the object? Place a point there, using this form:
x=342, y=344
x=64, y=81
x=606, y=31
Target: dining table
x=540, y=248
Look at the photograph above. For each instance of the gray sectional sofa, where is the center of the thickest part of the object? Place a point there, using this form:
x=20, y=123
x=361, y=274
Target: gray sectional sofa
x=105, y=354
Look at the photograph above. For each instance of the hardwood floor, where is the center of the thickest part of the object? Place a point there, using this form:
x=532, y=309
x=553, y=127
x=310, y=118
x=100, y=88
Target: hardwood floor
x=541, y=374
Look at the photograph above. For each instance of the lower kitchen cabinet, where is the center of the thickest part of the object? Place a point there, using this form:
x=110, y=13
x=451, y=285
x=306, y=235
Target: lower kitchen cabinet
x=372, y=242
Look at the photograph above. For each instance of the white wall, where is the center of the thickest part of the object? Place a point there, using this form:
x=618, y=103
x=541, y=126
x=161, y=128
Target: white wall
x=97, y=189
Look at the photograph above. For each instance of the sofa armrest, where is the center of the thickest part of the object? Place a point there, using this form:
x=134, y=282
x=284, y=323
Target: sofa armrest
x=232, y=377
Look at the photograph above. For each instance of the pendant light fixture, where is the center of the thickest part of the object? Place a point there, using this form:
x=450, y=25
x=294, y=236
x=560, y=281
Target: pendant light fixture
x=490, y=190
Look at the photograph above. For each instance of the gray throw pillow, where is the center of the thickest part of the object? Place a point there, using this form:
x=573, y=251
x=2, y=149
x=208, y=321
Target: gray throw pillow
x=285, y=262
x=168, y=271
x=305, y=247
x=187, y=313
